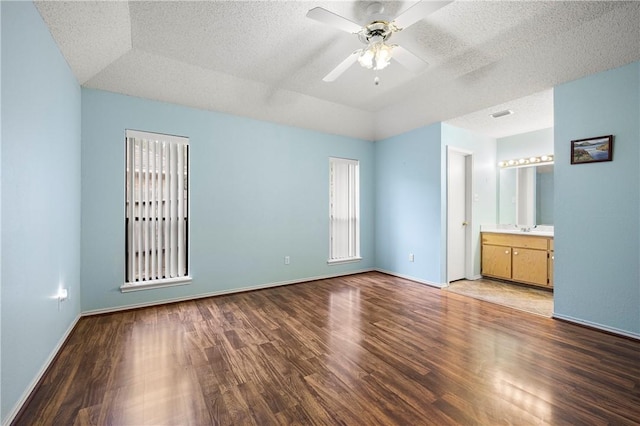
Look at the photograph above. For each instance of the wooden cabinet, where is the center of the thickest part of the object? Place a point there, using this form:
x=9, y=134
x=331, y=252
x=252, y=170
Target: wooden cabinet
x=496, y=261
x=523, y=258
x=529, y=266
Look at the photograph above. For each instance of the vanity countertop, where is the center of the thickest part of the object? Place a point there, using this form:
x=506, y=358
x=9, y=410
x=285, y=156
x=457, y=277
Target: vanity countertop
x=540, y=231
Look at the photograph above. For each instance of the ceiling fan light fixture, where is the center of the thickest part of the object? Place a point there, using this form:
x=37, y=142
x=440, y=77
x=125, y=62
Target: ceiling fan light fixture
x=383, y=56
x=366, y=58
x=376, y=56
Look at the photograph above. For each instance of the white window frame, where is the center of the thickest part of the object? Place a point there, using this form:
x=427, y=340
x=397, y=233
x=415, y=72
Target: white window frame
x=157, y=195
x=344, y=210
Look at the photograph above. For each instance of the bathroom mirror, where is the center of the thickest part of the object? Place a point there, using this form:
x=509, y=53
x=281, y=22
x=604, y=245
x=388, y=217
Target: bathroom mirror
x=525, y=195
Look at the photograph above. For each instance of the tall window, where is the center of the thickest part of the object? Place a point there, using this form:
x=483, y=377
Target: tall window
x=344, y=210
x=157, y=210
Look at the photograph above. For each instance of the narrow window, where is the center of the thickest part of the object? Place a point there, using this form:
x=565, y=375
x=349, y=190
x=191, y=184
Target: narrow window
x=344, y=210
x=157, y=210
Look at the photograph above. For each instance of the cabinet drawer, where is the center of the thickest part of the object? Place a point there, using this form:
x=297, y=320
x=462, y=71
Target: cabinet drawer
x=551, y=244
x=511, y=240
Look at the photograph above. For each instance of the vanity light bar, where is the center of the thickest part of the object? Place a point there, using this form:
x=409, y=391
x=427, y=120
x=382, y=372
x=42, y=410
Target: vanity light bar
x=521, y=162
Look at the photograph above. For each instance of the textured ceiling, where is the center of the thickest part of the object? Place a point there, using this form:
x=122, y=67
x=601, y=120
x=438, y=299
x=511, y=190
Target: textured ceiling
x=532, y=112
x=266, y=60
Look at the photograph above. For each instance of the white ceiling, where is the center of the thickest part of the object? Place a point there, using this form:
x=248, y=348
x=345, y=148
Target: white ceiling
x=532, y=112
x=266, y=60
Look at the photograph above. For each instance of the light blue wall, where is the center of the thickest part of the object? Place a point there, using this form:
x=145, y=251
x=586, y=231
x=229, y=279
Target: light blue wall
x=483, y=150
x=408, y=204
x=40, y=198
x=259, y=192
x=523, y=145
x=597, y=215
x=411, y=199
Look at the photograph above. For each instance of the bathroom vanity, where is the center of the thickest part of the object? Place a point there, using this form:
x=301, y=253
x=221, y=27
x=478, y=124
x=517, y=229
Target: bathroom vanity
x=520, y=256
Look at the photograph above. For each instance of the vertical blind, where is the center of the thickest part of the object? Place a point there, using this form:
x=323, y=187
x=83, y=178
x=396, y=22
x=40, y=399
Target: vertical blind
x=157, y=207
x=344, y=187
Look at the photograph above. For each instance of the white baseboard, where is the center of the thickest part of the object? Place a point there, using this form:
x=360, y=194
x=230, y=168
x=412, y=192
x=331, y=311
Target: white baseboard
x=595, y=325
x=219, y=293
x=410, y=278
x=32, y=386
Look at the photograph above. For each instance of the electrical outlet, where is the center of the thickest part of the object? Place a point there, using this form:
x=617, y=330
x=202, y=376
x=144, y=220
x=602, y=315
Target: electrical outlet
x=63, y=294
x=287, y=260
x=411, y=258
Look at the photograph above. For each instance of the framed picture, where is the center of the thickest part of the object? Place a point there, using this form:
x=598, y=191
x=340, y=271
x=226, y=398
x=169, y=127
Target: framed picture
x=592, y=150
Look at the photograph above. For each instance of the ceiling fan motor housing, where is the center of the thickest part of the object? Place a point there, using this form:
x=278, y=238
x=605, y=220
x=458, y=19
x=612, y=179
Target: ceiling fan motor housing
x=375, y=31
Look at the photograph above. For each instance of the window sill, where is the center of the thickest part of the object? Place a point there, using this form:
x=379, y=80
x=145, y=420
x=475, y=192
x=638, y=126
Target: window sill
x=341, y=261
x=150, y=285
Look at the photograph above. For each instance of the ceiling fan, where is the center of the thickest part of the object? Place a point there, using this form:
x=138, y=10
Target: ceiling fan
x=377, y=54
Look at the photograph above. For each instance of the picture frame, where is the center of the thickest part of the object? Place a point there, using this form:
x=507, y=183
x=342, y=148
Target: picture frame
x=592, y=150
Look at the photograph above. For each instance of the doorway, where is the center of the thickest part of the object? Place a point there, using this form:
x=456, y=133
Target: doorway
x=459, y=180
x=460, y=276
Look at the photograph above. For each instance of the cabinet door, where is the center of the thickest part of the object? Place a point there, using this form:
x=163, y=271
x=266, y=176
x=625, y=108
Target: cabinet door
x=496, y=261
x=530, y=266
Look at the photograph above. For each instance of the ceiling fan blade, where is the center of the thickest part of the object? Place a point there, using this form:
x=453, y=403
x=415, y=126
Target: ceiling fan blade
x=342, y=67
x=326, y=17
x=417, y=12
x=408, y=59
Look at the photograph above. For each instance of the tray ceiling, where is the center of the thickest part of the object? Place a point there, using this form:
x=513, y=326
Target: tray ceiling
x=266, y=60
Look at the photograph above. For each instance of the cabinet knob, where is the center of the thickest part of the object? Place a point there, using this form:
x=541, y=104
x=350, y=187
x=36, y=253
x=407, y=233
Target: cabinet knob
x=515, y=253
x=553, y=257
x=506, y=252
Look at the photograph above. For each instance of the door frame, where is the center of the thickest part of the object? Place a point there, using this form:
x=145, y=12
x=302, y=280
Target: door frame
x=468, y=156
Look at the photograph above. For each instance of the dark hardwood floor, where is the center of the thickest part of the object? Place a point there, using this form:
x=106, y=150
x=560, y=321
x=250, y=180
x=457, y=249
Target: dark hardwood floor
x=360, y=350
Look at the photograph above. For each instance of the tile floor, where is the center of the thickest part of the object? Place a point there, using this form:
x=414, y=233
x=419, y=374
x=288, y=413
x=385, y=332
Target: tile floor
x=524, y=298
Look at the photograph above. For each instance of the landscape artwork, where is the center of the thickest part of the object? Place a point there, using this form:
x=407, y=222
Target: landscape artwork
x=592, y=150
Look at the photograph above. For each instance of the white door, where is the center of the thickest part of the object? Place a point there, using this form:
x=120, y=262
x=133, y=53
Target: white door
x=456, y=215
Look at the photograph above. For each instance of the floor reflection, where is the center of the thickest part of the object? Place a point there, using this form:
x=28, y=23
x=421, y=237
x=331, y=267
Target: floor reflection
x=526, y=396
x=344, y=315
